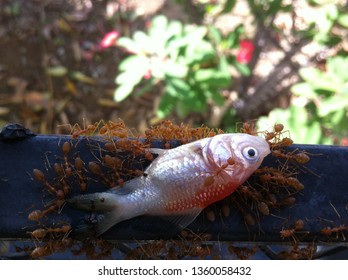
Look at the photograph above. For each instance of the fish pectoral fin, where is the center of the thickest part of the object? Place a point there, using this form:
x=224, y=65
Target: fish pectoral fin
x=183, y=219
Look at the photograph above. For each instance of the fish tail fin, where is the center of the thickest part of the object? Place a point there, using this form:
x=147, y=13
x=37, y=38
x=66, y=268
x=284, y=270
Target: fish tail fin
x=104, y=201
x=107, y=220
x=109, y=204
x=97, y=225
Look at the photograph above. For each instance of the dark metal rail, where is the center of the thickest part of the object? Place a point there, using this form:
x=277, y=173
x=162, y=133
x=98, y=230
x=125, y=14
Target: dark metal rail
x=323, y=202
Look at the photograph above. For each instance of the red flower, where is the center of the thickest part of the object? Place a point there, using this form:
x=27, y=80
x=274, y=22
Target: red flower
x=148, y=74
x=246, y=50
x=148, y=24
x=344, y=141
x=109, y=39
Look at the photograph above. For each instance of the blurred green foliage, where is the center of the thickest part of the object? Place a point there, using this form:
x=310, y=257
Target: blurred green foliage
x=319, y=111
x=189, y=66
x=189, y=63
x=319, y=114
x=324, y=24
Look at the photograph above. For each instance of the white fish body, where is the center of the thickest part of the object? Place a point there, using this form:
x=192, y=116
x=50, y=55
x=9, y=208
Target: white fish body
x=181, y=181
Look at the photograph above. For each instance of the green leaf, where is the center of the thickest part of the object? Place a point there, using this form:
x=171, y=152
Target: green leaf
x=166, y=105
x=202, y=53
x=216, y=96
x=313, y=134
x=229, y=5
x=122, y=92
x=129, y=77
x=129, y=45
x=332, y=104
x=183, y=108
x=311, y=75
x=212, y=77
x=175, y=28
x=326, y=141
x=344, y=90
x=177, y=87
x=83, y=78
x=199, y=57
x=339, y=121
x=337, y=118
x=140, y=37
x=143, y=40
x=298, y=116
x=337, y=70
x=343, y=20
x=317, y=79
x=331, y=11
x=158, y=26
x=232, y=39
x=242, y=68
x=134, y=68
x=161, y=31
x=57, y=71
x=175, y=69
x=274, y=7
x=304, y=90
x=192, y=101
x=215, y=34
x=134, y=62
x=176, y=44
x=327, y=39
x=224, y=66
x=195, y=34
x=192, y=37
x=158, y=72
x=146, y=87
x=204, y=75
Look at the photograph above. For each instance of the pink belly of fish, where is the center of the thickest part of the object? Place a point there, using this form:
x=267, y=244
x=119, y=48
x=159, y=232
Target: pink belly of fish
x=202, y=199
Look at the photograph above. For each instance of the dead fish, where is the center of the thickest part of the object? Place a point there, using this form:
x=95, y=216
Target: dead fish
x=180, y=182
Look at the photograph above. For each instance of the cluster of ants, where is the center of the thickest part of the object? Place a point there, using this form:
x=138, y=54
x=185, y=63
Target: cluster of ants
x=271, y=187
x=118, y=155
x=188, y=245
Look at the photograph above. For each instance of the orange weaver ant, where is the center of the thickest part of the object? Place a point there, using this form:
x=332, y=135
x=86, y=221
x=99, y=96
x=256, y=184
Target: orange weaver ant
x=287, y=233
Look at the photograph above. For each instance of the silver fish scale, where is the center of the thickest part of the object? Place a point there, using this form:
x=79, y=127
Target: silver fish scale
x=165, y=181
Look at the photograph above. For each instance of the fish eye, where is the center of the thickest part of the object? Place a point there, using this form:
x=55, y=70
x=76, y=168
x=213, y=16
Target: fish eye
x=250, y=153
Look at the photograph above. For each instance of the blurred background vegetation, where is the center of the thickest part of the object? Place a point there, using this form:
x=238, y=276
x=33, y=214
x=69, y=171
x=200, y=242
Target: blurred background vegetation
x=213, y=62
